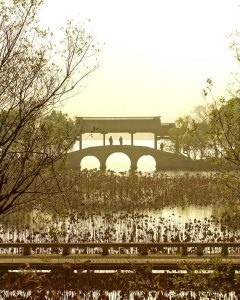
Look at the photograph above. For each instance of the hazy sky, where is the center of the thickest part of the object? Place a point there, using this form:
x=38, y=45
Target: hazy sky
x=157, y=53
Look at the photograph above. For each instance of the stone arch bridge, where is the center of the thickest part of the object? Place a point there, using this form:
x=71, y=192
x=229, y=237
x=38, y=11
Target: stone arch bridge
x=129, y=125
x=164, y=160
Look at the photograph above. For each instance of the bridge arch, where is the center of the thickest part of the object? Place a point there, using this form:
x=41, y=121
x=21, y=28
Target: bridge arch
x=116, y=157
x=164, y=160
x=89, y=162
x=146, y=163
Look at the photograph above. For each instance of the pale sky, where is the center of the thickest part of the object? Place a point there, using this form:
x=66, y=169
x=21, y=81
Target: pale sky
x=155, y=55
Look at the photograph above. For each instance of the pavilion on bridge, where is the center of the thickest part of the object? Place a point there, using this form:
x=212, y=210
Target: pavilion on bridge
x=129, y=125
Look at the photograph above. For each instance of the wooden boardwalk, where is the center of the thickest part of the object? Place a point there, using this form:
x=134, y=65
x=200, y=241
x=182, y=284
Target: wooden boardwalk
x=111, y=262
x=114, y=256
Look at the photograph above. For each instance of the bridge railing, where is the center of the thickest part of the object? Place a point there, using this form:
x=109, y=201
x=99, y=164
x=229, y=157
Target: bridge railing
x=179, y=248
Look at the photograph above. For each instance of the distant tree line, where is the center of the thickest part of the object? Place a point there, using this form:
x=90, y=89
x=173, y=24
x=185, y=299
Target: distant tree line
x=212, y=132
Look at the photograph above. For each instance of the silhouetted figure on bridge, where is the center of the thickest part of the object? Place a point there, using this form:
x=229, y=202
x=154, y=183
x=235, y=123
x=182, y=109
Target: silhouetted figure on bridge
x=121, y=140
x=110, y=140
x=161, y=146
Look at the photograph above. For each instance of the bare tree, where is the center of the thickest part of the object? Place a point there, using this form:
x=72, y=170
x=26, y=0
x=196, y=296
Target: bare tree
x=224, y=132
x=35, y=76
x=224, y=127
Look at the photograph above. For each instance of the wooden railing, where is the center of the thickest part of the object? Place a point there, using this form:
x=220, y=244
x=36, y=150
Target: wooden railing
x=141, y=248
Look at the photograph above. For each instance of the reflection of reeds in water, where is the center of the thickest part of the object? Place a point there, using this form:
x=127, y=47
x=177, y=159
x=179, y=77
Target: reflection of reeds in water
x=142, y=226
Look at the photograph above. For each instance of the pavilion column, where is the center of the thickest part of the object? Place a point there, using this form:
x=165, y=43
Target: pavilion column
x=155, y=141
x=80, y=142
x=104, y=140
x=131, y=139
